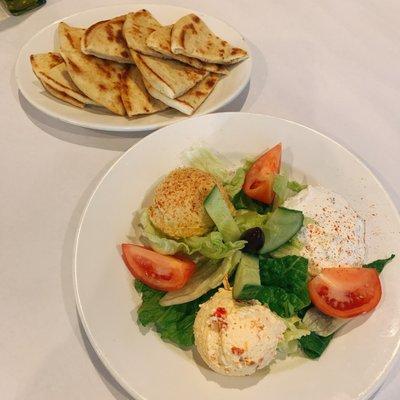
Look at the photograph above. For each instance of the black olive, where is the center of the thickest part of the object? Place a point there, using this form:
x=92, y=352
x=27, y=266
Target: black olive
x=255, y=240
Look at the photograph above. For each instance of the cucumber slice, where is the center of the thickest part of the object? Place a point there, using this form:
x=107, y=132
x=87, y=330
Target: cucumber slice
x=218, y=211
x=247, y=273
x=281, y=226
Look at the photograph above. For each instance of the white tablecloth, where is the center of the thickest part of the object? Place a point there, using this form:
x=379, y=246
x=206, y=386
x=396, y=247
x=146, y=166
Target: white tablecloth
x=331, y=65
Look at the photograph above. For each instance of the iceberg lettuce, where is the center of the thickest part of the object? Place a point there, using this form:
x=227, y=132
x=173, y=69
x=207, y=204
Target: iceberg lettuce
x=249, y=219
x=295, y=329
x=284, y=189
x=211, y=245
x=204, y=159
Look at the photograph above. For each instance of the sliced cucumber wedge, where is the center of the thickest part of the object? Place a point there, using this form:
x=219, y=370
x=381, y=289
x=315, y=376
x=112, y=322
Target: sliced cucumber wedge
x=218, y=211
x=248, y=273
x=281, y=226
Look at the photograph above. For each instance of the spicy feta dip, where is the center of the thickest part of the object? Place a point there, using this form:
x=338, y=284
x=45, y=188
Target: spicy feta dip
x=334, y=233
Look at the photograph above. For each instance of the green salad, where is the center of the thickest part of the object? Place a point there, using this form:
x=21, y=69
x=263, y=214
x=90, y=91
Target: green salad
x=247, y=264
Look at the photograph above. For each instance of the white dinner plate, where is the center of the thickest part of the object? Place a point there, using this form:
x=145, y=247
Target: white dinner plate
x=98, y=118
x=358, y=358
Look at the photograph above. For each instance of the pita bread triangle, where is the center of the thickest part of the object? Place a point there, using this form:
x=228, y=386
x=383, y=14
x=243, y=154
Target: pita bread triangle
x=189, y=102
x=51, y=70
x=69, y=37
x=135, y=97
x=62, y=96
x=191, y=37
x=98, y=79
x=137, y=27
x=169, y=77
x=104, y=39
x=160, y=41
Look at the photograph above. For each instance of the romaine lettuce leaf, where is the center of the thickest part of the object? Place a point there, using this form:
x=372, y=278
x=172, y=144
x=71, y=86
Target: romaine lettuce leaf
x=210, y=246
x=284, y=285
x=379, y=264
x=173, y=323
x=207, y=276
x=314, y=345
x=242, y=202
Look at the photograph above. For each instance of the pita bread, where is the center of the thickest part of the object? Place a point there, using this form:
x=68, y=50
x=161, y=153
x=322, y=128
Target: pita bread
x=51, y=70
x=160, y=41
x=63, y=96
x=69, y=37
x=191, y=37
x=191, y=100
x=169, y=77
x=137, y=27
x=104, y=40
x=98, y=79
x=135, y=96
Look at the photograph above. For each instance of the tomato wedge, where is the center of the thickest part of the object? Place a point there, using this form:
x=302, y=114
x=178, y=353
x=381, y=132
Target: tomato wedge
x=345, y=292
x=160, y=272
x=260, y=177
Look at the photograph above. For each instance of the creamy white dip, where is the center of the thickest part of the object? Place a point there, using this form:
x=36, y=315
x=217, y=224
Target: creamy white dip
x=335, y=235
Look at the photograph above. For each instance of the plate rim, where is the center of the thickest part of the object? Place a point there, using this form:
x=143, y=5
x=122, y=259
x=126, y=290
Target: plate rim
x=128, y=128
x=119, y=379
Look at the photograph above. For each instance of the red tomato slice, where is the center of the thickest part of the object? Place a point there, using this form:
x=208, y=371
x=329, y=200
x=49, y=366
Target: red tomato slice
x=345, y=292
x=155, y=270
x=260, y=177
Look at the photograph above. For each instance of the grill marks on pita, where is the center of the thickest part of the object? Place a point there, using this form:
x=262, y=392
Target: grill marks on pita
x=193, y=38
x=160, y=41
x=52, y=72
x=137, y=27
x=104, y=39
x=189, y=102
x=135, y=97
x=169, y=77
x=177, y=65
x=69, y=37
x=98, y=79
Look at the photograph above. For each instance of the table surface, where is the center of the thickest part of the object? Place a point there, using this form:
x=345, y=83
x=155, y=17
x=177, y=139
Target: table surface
x=331, y=65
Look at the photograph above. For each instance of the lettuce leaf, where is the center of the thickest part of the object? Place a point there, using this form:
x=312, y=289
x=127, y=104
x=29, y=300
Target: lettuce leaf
x=210, y=246
x=207, y=276
x=213, y=246
x=234, y=186
x=283, y=285
x=204, y=159
x=284, y=189
x=242, y=202
x=295, y=329
x=246, y=219
x=313, y=345
x=379, y=264
x=157, y=241
x=173, y=323
x=296, y=186
x=290, y=248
